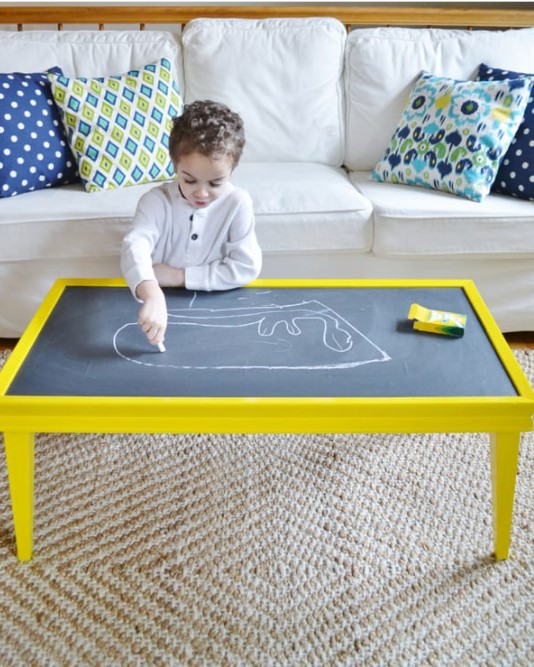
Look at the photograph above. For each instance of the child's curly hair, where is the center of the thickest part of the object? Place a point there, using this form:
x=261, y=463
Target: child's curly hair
x=209, y=128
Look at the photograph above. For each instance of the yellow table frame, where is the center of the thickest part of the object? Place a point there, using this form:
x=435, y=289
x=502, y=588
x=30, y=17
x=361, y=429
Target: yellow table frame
x=503, y=417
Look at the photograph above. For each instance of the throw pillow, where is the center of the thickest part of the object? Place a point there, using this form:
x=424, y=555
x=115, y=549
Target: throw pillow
x=118, y=126
x=453, y=134
x=516, y=173
x=34, y=151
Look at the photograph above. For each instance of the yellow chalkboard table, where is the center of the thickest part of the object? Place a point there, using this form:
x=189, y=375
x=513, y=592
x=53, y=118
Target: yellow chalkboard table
x=273, y=357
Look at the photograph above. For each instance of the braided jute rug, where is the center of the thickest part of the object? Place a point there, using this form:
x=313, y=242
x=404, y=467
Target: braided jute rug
x=268, y=550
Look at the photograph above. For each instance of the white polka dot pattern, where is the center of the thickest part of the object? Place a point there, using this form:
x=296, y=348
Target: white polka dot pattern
x=34, y=152
x=516, y=173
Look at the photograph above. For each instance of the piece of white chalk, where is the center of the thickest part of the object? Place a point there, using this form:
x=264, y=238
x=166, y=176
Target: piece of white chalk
x=161, y=347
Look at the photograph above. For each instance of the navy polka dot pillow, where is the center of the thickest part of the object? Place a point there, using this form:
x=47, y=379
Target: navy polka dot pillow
x=34, y=151
x=516, y=172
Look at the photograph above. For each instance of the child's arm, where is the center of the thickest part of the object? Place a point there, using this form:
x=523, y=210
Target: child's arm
x=139, y=243
x=137, y=268
x=168, y=276
x=152, y=316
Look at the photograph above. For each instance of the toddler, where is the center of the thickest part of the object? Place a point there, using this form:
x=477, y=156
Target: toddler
x=198, y=230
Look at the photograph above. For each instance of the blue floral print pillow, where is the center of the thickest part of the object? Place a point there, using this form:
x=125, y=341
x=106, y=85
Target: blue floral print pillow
x=516, y=173
x=453, y=134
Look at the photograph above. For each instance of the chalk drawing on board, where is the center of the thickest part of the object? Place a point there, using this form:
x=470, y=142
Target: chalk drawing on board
x=307, y=335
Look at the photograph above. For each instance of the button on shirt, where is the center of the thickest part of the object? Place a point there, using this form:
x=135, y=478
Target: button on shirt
x=215, y=245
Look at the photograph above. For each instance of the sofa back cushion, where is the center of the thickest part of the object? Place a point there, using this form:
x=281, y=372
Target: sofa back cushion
x=88, y=53
x=283, y=76
x=382, y=65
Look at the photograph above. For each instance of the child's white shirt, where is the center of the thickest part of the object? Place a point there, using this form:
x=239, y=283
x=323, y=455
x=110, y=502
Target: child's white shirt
x=215, y=245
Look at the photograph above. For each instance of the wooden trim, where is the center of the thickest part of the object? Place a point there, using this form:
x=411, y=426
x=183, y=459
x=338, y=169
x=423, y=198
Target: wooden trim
x=429, y=14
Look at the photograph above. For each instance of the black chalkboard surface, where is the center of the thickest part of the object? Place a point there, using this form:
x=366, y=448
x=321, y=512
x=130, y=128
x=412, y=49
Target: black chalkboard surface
x=254, y=341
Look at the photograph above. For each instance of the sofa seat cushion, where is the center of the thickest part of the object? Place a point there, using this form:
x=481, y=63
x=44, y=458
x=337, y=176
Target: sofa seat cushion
x=283, y=76
x=305, y=207
x=67, y=222
x=414, y=221
x=298, y=207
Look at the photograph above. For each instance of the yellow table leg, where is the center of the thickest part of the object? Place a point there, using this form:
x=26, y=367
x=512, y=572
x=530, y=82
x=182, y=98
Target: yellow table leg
x=19, y=456
x=504, y=456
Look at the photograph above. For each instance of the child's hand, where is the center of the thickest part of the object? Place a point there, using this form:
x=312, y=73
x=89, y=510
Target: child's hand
x=152, y=316
x=168, y=276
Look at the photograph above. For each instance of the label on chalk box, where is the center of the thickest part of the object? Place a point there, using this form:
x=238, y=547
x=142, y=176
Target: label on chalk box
x=437, y=321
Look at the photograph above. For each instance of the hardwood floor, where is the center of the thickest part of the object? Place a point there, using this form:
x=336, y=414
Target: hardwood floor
x=7, y=343
x=518, y=339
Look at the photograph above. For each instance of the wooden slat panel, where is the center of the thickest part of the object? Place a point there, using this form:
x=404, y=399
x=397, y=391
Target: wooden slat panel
x=416, y=14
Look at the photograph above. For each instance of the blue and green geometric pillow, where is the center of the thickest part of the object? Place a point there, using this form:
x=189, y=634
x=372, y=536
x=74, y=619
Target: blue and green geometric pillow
x=453, y=134
x=118, y=126
x=516, y=173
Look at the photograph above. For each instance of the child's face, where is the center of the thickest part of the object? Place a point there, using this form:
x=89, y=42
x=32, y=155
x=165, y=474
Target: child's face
x=202, y=179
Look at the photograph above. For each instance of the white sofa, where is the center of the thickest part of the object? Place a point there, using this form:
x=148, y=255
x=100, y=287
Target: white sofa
x=320, y=106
